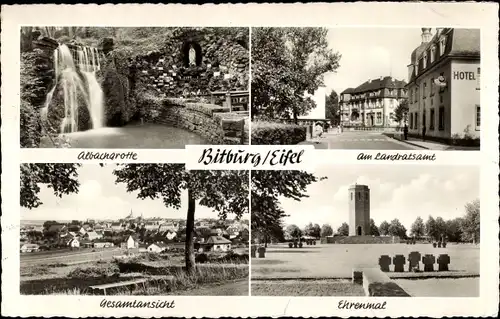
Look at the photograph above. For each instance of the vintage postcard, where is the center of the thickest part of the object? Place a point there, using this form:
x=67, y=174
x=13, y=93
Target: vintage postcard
x=250, y=160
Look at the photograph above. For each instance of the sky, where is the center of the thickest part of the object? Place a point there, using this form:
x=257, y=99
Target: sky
x=100, y=198
x=396, y=191
x=368, y=53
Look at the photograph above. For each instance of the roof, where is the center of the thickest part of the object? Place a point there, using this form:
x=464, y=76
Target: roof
x=92, y=233
x=217, y=240
x=348, y=90
x=377, y=84
x=463, y=43
x=161, y=245
x=56, y=227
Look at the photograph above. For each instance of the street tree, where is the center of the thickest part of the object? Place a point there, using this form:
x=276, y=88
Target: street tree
x=384, y=228
x=316, y=231
x=471, y=222
x=343, y=230
x=417, y=228
x=401, y=112
x=453, y=230
x=326, y=230
x=62, y=178
x=287, y=63
x=266, y=188
x=430, y=228
x=332, y=109
x=440, y=228
x=226, y=192
x=373, y=228
x=293, y=231
x=397, y=229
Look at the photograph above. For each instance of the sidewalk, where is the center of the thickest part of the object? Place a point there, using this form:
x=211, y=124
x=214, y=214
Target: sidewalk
x=435, y=146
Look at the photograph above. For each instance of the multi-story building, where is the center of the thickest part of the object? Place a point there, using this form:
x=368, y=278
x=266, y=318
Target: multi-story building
x=373, y=103
x=443, y=85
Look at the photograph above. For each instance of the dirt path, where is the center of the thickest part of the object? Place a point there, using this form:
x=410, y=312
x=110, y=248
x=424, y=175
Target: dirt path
x=234, y=288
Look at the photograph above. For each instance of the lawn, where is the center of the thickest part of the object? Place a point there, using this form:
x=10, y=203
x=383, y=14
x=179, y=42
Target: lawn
x=306, y=288
x=337, y=261
x=61, y=278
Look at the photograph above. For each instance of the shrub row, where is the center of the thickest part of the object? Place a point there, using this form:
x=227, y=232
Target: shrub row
x=268, y=133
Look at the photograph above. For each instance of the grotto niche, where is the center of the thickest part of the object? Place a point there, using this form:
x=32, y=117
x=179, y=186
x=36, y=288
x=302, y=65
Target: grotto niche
x=133, y=87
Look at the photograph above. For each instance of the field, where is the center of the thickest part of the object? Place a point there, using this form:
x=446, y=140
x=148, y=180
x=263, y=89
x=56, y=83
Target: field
x=73, y=272
x=332, y=262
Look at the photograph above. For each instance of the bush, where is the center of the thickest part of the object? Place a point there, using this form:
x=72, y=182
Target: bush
x=95, y=271
x=201, y=258
x=267, y=133
x=290, y=245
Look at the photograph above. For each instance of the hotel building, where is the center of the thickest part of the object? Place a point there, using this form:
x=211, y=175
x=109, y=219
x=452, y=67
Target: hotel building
x=372, y=104
x=443, y=85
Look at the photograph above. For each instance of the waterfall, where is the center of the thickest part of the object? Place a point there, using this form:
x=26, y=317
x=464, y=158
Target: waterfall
x=68, y=68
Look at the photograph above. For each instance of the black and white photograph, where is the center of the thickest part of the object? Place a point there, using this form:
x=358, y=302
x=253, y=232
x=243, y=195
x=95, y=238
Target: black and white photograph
x=133, y=87
x=133, y=229
x=367, y=88
x=374, y=230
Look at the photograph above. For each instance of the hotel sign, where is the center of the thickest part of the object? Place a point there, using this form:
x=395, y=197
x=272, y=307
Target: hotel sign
x=460, y=75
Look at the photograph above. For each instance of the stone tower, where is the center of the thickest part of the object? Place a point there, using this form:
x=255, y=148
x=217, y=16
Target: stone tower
x=359, y=210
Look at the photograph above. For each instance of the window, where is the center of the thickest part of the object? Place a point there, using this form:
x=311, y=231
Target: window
x=424, y=89
x=478, y=117
x=424, y=62
x=379, y=117
x=411, y=120
x=416, y=94
x=431, y=120
x=416, y=121
x=359, y=196
x=442, y=46
x=351, y=196
x=441, y=118
x=432, y=86
x=478, y=84
x=433, y=53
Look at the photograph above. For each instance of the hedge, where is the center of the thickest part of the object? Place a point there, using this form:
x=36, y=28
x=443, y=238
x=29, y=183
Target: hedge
x=267, y=133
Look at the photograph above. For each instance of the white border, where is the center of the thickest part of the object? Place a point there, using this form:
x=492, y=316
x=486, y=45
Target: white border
x=483, y=15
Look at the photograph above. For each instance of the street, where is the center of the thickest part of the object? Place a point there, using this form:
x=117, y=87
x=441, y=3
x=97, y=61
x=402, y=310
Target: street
x=360, y=140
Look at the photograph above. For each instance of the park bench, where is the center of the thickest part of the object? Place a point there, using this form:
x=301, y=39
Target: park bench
x=102, y=288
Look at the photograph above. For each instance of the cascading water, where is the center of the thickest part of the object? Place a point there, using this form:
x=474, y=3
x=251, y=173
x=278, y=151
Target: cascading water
x=67, y=75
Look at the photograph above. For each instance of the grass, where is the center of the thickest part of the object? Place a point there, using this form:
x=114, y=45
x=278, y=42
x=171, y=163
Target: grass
x=306, y=288
x=76, y=280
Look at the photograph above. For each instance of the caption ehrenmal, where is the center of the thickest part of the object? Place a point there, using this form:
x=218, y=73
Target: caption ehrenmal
x=344, y=304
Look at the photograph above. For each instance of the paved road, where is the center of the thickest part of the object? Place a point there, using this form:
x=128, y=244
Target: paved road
x=362, y=141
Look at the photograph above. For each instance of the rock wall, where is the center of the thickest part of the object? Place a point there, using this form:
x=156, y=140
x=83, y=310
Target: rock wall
x=210, y=121
x=218, y=62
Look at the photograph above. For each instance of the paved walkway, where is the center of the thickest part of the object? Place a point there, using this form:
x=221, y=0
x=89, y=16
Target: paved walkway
x=435, y=146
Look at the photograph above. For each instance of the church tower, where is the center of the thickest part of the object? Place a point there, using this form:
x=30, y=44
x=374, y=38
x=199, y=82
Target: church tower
x=359, y=210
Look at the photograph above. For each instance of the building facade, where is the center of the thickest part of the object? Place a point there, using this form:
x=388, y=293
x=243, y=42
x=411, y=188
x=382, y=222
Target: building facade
x=373, y=103
x=443, y=85
x=359, y=210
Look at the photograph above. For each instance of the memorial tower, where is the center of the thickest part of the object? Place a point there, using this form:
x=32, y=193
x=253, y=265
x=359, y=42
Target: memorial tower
x=359, y=210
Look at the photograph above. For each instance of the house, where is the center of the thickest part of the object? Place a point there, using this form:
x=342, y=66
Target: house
x=28, y=248
x=74, y=243
x=151, y=226
x=116, y=226
x=103, y=245
x=82, y=231
x=170, y=235
x=157, y=247
x=130, y=243
x=217, y=243
x=92, y=235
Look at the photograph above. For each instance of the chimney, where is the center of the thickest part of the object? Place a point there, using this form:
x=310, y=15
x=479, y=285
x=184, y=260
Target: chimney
x=426, y=35
x=381, y=78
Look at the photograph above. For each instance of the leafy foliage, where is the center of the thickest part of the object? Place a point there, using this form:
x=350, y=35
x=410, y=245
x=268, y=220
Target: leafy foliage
x=326, y=230
x=384, y=228
x=286, y=64
x=332, y=107
x=401, y=111
x=266, y=188
x=417, y=229
x=266, y=133
x=61, y=178
x=373, y=228
x=312, y=230
x=397, y=229
x=343, y=230
x=293, y=231
x=471, y=222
